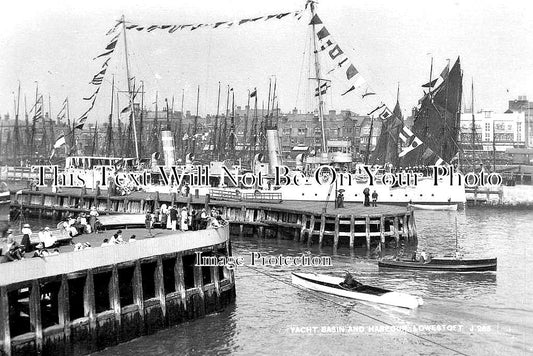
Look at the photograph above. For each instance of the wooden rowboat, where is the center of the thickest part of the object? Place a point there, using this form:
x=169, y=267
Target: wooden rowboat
x=445, y=207
x=443, y=264
x=333, y=285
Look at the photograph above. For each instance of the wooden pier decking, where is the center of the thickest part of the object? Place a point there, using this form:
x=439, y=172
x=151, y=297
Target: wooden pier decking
x=79, y=302
x=308, y=222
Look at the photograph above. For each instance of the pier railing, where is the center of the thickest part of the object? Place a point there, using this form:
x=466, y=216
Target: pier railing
x=236, y=195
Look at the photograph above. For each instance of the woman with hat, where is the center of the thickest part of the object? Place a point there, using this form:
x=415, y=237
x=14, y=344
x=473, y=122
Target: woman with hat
x=184, y=219
x=26, y=243
x=92, y=218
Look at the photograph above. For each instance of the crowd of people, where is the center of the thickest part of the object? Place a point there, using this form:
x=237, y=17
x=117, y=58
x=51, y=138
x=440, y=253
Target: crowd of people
x=82, y=224
x=166, y=217
x=11, y=250
x=184, y=219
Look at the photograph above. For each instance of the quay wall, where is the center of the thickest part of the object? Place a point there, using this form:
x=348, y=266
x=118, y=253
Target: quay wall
x=307, y=225
x=79, y=302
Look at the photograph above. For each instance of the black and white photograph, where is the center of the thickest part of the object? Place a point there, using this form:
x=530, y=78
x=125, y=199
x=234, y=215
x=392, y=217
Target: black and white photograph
x=291, y=177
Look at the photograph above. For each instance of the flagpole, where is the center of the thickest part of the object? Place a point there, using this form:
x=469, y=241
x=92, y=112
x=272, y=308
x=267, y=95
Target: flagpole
x=195, y=128
x=317, y=72
x=246, y=121
x=216, y=131
x=129, y=88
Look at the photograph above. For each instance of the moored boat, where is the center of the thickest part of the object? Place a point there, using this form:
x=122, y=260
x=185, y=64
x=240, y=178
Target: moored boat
x=444, y=207
x=443, y=264
x=366, y=293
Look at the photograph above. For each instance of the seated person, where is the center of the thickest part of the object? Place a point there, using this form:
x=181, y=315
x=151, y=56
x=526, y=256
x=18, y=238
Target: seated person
x=14, y=253
x=349, y=282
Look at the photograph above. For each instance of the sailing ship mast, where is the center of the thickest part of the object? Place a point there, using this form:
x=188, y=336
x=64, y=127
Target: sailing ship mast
x=473, y=131
x=216, y=131
x=130, y=94
x=109, y=137
x=16, y=133
x=318, y=80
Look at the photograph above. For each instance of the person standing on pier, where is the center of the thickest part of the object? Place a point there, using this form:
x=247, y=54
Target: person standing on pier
x=184, y=219
x=374, y=198
x=148, y=222
x=173, y=217
x=366, y=192
x=26, y=233
x=92, y=218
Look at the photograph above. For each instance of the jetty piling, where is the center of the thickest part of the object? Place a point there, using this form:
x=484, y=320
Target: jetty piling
x=109, y=295
x=304, y=222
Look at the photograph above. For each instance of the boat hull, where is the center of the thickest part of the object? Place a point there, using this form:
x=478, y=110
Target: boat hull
x=331, y=285
x=442, y=207
x=443, y=264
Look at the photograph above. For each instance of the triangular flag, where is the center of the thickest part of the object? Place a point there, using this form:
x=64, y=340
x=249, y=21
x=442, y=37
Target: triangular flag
x=322, y=33
x=349, y=90
x=315, y=20
x=351, y=72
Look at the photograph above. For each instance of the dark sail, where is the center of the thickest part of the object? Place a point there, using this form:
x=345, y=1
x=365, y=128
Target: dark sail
x=436, y=121
x=386, y=150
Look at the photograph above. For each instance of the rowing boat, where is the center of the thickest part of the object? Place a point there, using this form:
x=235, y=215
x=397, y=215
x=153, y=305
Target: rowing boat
x=445, y=207
x=332, y=285
x=443, y=264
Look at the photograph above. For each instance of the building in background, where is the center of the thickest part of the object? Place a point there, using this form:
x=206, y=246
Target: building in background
x=495, y=133
x=522, y=105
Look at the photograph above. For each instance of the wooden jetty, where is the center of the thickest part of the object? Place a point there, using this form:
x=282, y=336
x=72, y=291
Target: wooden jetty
x=79, y=302
x=307, y=222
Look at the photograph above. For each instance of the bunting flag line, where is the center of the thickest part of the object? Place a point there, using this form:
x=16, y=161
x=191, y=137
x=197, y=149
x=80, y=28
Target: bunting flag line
x=81, y=121
x=104, y=54
x=355, y=81
x=349, y=90
x=367, y=93
x=113, y=29
x=381, y=106
x=385, y=114
x=173, y=28
x=415, y=142
x=94, y=94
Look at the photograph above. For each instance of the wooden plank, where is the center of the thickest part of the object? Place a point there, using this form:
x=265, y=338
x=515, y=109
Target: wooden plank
x=304, y=226
x=336, y=235
x=35, y=315
x=138, y=292
x=352, y=230
x=5, y=333
x=160, y=286
x=64, y=310
x=367, y=232
x=89, y=305
x=311, y=229
x=382, y=230
x=396, y=231
x=114, y=299
x=322, y=228
x=179, y=278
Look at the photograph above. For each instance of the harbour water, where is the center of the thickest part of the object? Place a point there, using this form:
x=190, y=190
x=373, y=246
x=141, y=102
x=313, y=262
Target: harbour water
x=472, y=313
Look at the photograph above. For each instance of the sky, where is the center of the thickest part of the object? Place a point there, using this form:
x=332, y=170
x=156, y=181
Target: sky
x=52, y=44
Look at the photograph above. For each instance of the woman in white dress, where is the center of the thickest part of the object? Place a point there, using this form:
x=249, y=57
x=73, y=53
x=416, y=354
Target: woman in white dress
x=184, y=223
